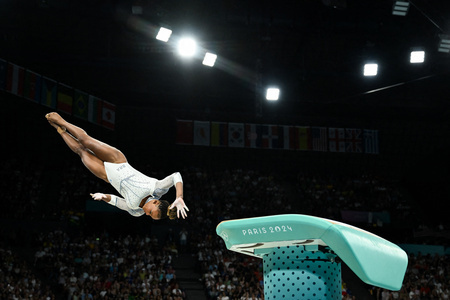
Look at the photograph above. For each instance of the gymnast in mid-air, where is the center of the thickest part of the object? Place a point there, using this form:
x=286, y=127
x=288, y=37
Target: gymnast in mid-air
x=141, y=194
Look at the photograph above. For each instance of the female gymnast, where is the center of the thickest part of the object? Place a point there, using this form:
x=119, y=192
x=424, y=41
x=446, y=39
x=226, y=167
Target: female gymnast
x=141, y=194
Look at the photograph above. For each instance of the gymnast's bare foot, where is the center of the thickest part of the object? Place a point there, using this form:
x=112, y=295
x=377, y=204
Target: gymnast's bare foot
x=55, y=118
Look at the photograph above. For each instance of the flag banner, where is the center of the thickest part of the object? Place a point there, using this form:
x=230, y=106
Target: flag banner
x=94, y=110
x=80, y=104
x=3, y=74
x=185, y=132
x=14, y=80
x=304, y=138
x=265, y=136
x=236, y=135
x=319, y=138
x=108, y=115
x=293, y=140
x=202, y=133
x=284, y=134
x=253, y=136
x=48, y=92
x=32, y=86
x=64, y=100
x=336, y=139
x=219, y=134
x=270, y=138
x=371, y=145
x=353, y=140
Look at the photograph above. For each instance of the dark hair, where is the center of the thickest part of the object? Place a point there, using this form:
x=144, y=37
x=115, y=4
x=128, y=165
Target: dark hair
x=165, y=211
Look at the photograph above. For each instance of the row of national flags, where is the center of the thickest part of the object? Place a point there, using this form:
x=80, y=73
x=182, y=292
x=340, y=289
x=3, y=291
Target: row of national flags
x=58, y=96
x=265, y=136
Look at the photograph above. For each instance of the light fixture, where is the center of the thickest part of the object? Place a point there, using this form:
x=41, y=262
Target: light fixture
x=272, y=94
x=417, y=57
x=187, y=47
x=370, y=69
x=209, y=59
x=444, y=43
x=164, y=34
x=400, y=8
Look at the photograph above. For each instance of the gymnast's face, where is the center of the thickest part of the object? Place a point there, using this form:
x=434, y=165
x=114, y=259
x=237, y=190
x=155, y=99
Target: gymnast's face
x=152, y=210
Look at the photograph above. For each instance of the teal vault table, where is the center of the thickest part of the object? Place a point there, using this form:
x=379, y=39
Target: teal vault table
x=302, y=254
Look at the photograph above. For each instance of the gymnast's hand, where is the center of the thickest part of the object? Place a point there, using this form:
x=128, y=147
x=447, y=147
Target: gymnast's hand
x=98, y=196
x=181, y=207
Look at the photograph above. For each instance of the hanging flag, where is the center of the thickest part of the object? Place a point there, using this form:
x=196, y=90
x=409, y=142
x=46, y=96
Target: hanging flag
x=253, y=135
x=293, y=138
x=319, y=138
x=201, y=133
x=185, y=132
x=236, y=135
x=94, y=109
x=354, y=140
x=304, y=138
x=336, y=139
x=371, y=145
x=32, y=86
x=284, y=134
x=48, y=92
x=269, y=138
x=108, y=115
x=219, y=134
x=64, y=100
x=80, y=104
x=14, y=79
x=3, y=73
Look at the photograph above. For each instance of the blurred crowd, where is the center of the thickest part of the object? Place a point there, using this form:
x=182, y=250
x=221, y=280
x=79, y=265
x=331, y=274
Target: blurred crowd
x=107, y=267
x=84, y=265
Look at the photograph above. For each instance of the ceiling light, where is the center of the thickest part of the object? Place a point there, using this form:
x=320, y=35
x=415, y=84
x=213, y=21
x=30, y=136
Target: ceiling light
x=370, y=69
x=187, y=47
x=417, y=57
x=164, y=34
x=400, y=8
x=444, y=43
x=272, y=94
x=209, y=59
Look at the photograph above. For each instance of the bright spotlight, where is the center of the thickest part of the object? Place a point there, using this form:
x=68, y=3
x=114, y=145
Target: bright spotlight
x=209, y=59
x=187, y=47
x=164, y=34
x=272, y=94
x=417, y=57
x=370, y=69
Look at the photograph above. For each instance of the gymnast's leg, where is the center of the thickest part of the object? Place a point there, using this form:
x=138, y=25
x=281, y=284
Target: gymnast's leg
x=92, y=162
x=101, y=150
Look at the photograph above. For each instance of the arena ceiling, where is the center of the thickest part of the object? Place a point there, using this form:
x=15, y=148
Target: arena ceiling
x=313, y=50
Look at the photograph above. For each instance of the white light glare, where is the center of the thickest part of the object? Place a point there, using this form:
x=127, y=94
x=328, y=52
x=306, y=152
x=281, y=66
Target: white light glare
x=272, y=94
x=164, y=34
x=417, y=57
x=187, y=47
x=370, y=69
x=209, y=59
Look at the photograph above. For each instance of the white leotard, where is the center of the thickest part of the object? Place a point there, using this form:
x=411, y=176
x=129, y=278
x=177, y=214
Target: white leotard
x=134, y=186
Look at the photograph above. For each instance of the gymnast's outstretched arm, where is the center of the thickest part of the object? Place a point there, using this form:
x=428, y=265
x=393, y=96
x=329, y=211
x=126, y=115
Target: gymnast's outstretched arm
x=118, y=202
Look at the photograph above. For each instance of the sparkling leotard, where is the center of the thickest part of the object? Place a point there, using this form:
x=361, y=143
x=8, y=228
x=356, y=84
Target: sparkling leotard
x=130, y=183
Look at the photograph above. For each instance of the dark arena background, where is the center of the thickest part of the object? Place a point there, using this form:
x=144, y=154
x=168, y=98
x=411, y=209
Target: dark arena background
x=370, y=151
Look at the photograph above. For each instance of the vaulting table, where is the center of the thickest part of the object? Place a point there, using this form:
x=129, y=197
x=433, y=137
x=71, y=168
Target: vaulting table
x=302, y=254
